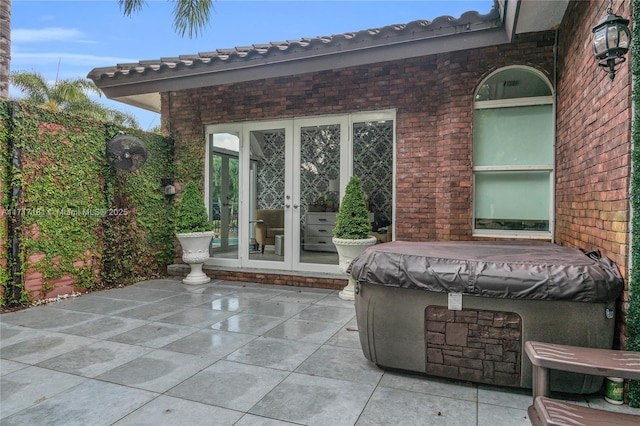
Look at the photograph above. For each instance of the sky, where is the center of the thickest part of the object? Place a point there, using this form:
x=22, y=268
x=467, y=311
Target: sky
x=67, y=39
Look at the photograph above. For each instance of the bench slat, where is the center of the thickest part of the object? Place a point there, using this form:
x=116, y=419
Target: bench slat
x=552, y=412
x=599, y=362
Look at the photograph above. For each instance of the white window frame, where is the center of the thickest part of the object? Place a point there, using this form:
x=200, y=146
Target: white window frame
x=519, y=102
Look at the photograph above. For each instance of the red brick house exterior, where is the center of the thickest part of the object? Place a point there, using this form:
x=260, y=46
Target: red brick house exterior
x=433, y=98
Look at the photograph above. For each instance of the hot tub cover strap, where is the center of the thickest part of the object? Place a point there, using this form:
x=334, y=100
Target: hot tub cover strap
x=516, y=270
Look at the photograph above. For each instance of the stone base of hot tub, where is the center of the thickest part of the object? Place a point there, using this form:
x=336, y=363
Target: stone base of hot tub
x=482, y=346
x=413, y=330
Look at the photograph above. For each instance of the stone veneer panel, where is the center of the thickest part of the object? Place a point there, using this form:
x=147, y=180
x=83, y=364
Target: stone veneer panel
x=476, y=345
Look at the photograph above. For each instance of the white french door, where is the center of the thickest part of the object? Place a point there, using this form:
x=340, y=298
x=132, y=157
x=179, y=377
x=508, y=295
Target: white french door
x=274, y=188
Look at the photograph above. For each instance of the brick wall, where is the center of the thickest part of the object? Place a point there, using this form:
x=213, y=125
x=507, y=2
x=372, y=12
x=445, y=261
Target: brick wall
x=433, y=97
x=593, y=134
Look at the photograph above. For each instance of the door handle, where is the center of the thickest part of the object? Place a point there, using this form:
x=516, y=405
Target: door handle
x=295, y=206
x=287, y=205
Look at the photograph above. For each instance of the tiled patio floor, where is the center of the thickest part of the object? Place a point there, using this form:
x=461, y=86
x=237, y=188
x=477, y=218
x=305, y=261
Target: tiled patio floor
x=238, y=354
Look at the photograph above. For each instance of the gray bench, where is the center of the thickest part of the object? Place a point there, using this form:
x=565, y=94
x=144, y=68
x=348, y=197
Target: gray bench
x=597, y=362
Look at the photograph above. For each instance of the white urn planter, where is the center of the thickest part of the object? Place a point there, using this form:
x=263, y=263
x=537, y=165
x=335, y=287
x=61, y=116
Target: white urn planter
x=195, y=251
x=347, y=251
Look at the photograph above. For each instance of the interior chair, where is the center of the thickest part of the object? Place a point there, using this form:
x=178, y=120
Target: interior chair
x=269, y=223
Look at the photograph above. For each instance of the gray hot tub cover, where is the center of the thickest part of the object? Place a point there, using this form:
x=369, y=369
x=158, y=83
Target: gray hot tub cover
x=516, y=270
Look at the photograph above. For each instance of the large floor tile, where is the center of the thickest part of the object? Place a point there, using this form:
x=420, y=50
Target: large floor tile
x=492, y=415
x=332, y=299
x=333, y=314
x=274, y=353
x=315, y=401
x=306, y=331
x=403, y=408
x=104, y=327
x=139, y=294
x=248, y=323
x=154, y=335
x=40, y=348
x=229, y=385
x=257, y=292
x=430, y=385
x=8, y=367
x=172, y=284
x=96, y=304
x=157, y=371
x=150, y=311
x=92, y=403
x=46, y=318
x=210, y=343
x=11, y=334
x=252, y=420
x=94, y=359
x=187, y=299
x=300, y=296
x=277, y=309
x=505, y=397
x=195, y=317
x=169, y=411
x=231, y=303
x=341, y=363
x=30, y=386
x=347, y=337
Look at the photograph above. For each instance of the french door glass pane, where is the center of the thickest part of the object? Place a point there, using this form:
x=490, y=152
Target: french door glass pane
x=373, y=164
x=512, y=200
x=319, y=192
x=224, y=193
x=267, y=189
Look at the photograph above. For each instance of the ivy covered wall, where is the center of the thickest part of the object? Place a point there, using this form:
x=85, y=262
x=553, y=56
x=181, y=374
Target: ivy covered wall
x=71, y=222
x=633, y=313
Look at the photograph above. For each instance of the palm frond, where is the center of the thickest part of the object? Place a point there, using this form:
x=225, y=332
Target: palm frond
x=123, y=118
x=32, y=84
x=69, y=95
x=191, y=16
x=68, y=91
x=129, y=7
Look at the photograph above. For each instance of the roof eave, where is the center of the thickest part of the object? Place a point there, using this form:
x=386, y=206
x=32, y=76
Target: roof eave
x=126, y=88
x=140, y=84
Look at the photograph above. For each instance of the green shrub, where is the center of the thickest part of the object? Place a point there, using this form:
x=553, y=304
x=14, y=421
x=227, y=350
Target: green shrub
x=192, y=214
x=352, y=221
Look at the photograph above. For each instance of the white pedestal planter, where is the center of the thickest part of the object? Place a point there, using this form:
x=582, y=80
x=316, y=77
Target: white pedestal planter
x=347, y=251
x=195, y=251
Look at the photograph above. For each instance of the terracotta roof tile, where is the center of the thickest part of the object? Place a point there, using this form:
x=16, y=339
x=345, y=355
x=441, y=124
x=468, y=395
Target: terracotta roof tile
x=420, y=29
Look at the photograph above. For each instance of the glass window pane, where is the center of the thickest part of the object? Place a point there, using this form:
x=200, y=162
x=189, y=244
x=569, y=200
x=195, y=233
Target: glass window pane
x=513, y=136
x=268, y=192
x=319, y=185
x=373, y=164
x=512, y=83
x=224, y=192
x=512, y=200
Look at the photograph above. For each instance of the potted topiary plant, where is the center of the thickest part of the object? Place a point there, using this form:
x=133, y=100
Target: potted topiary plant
x=194, y=231
x=351, y=233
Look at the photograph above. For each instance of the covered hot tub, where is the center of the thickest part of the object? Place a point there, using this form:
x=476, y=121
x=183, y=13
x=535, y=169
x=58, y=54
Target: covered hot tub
x=463, y=310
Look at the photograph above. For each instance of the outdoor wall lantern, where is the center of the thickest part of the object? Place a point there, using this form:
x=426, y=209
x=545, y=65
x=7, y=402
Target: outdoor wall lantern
x=169, y=189
x=611, y=38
